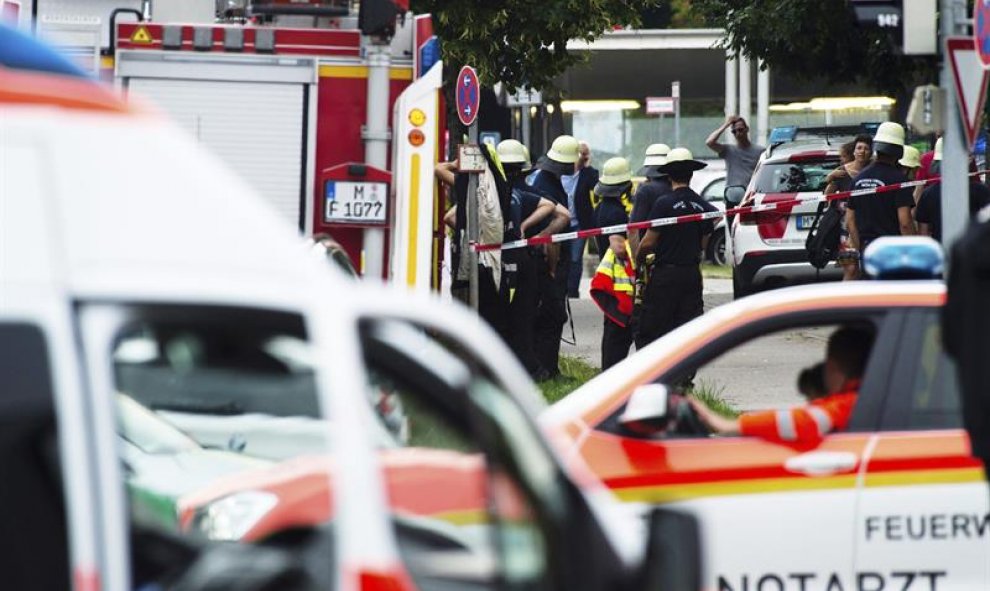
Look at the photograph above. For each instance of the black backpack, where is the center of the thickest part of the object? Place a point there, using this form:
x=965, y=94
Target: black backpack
x=823, y=238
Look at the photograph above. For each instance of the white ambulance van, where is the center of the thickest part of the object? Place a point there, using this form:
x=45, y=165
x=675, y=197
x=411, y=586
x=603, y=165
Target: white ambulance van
x=140, y=281
x=133, y=262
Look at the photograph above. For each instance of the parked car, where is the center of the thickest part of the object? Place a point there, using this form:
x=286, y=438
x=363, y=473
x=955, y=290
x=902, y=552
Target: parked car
x=766, y=249
x=714, y=192
x=162, y=463
x=902, y=465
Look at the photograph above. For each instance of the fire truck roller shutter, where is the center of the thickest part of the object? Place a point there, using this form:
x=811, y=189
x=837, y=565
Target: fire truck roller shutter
x=256, y=128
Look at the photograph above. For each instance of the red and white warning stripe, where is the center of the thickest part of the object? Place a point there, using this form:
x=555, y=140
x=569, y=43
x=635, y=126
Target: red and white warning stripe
x=698, y=217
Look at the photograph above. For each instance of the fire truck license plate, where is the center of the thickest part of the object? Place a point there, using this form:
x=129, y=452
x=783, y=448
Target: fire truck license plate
x=355, y=203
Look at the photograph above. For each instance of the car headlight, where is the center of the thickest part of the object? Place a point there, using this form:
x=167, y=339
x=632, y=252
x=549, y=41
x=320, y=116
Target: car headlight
x=233, y=516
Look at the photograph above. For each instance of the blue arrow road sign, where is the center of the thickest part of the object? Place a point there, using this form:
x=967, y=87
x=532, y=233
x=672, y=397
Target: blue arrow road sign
x=468, y=95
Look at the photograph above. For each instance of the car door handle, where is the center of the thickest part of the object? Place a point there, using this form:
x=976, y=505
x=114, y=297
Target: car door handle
x=822, y=463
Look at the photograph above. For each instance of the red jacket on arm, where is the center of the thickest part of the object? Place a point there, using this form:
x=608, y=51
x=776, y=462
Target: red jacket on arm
x=804, y=424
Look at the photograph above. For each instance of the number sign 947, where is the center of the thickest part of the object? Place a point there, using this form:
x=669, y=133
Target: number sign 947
x=355, y=203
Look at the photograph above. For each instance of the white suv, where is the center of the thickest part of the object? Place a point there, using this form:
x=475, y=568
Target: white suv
x=766, y=249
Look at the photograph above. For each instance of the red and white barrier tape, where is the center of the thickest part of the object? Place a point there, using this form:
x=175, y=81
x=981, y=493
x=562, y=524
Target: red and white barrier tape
x=699, y=217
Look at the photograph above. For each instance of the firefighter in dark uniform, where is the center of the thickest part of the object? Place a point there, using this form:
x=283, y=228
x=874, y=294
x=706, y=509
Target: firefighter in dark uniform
x=613, y=195
x=647, y=194
x=670, y=255
x=530, y=215
x=552, y=270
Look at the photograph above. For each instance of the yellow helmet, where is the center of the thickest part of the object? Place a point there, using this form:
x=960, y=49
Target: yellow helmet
x=911, y=157
x=656, y=154
x=513, y=152
x=889, y=139
x=615, y=172
x=564, y=150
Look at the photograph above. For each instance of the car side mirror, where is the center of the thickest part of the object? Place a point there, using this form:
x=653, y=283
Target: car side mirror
x=734, y=194
x=673, y=552
x=647, y=410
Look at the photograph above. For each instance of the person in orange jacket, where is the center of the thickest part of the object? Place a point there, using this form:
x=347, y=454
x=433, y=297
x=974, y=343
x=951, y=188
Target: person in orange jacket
x=846, y=355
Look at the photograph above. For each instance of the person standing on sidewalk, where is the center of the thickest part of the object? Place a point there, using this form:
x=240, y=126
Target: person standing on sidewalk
x=928, y=212
x=612, y=284
x=671, y=255
x=530, y=215
x=579, y=187
x=873, y=215
x=740, y=159
x=553, y=269
x=855, y=156
x=647, y=194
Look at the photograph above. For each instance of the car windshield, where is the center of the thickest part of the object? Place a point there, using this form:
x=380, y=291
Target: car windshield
x=794, y=177
x=148, y=432
x=212, y=404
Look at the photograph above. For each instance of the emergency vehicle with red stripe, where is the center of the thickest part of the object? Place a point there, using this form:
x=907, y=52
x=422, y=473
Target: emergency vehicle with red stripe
x=337, y=129
x=101, y=248
x=892, y=500
x=766, y=249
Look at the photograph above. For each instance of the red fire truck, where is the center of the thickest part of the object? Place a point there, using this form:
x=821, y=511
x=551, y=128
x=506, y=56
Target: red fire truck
x=334, y=116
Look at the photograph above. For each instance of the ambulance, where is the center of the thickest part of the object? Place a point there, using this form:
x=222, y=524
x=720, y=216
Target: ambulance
x=894, y=501
x=120, y=279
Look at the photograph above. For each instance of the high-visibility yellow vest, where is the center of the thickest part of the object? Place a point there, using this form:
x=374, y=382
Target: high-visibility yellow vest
x=613, y=286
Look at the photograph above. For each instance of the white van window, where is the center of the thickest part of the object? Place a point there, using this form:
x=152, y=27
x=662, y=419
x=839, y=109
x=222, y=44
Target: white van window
x=220, y=427
x=463, y=511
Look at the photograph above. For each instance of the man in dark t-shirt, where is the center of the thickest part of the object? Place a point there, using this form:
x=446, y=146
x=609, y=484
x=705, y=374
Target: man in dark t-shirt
x=673, y=290
x=647, y=194
x=554, y=263
x=873, y=215
x=530, y=215
x=928, y=213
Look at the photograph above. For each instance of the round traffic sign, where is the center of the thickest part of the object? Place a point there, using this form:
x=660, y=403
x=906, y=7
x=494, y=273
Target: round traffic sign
x=981, y=30
x=468, y=95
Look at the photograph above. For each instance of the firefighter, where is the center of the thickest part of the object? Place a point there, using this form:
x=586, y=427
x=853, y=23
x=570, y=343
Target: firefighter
x=670, y=256
x=530, y=215
x=612, y=285
x=553, y=268
x=647, y=194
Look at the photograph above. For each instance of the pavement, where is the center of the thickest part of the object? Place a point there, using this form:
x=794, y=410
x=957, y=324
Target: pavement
x=588, y=318
x=759, y=374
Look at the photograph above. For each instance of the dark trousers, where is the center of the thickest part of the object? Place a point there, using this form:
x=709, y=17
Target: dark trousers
x=616, y=341
x=521, y=309
x=673, y=296
x=551, y=314
x=491, y=304
x=575, y=249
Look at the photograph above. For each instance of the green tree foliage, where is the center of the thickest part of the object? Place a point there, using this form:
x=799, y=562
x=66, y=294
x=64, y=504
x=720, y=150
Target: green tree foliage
x=523, y=42
x=808, y=39
x=684, y=16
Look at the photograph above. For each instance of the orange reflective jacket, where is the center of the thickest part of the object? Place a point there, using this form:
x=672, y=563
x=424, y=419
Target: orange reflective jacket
x=612, y=287
x=805, y=424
